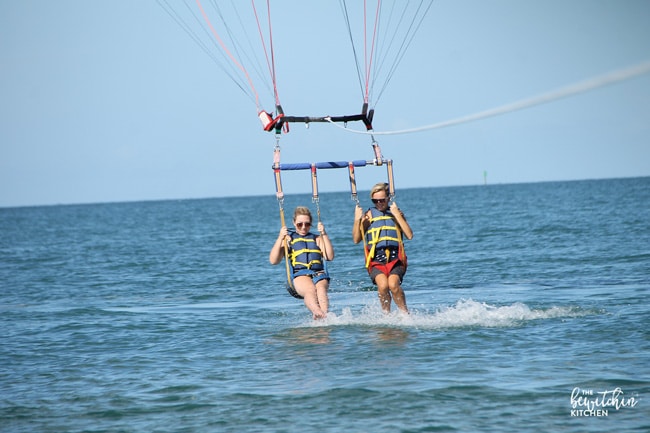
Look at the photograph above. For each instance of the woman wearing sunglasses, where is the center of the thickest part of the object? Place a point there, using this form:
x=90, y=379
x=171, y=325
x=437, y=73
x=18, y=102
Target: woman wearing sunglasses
x=307, y=254
x=381, y=229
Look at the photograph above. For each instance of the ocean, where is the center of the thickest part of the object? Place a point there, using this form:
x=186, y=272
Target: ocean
x=529, y=313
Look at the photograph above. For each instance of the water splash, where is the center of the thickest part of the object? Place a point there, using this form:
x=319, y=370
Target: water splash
x=465, y=313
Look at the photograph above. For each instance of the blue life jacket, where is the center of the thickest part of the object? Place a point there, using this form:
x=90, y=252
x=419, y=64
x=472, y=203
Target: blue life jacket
x=383, y=238
x=305, y=253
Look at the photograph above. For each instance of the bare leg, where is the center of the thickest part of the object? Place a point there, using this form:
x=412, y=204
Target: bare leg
x=321, y=292
x=397, y=292
x=384, y=293
x=305, y=288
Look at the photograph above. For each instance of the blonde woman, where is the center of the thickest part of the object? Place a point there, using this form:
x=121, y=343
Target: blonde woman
x=382, y=228
x=307, y=254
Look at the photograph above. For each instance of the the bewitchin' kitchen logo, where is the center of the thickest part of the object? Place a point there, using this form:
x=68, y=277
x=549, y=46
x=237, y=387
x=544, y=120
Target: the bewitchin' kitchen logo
x=586, y=402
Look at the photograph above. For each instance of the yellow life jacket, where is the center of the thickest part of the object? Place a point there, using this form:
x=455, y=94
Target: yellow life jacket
x=383, y=235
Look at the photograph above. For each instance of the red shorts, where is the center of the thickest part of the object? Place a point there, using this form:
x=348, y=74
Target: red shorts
x=394, y=267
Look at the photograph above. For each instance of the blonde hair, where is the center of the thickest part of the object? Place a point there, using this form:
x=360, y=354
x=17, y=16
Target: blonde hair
x=302, y=210
x=381, y=186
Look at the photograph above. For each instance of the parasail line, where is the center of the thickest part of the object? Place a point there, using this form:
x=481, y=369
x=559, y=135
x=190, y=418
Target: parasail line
x=169, y=9
x=270, y=64
x=223, y=46
x=577, y=88
x=406, y=42
x=369, y=58
x=346, y=17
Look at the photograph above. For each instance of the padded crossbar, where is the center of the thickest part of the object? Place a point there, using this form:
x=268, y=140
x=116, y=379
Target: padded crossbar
x=323, y=165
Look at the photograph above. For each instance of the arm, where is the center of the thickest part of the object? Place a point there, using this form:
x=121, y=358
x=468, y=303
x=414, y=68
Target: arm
x=277, y=252
x=359, y=218
x=324, y=243
x=401, y=221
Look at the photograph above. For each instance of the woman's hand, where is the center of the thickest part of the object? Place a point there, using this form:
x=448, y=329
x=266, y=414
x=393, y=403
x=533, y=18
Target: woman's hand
x=358, y=213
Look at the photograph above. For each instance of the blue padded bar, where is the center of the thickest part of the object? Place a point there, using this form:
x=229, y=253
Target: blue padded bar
x=323, y=165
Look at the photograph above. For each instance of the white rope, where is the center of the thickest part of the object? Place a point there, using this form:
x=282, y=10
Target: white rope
x=581, y=87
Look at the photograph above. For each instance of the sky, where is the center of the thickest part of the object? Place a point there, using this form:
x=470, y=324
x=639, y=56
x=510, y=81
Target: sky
x=112, y=101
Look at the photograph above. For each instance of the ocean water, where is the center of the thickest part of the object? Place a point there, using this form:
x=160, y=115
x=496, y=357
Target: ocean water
x=529, y=313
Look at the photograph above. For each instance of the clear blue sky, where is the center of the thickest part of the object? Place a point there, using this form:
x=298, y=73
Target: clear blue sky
x=112, y=101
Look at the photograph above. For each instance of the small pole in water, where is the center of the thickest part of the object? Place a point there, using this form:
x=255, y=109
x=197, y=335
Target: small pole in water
x=484, y=177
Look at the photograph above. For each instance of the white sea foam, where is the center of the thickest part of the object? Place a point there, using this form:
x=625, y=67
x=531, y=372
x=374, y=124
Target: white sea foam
x=465, y=313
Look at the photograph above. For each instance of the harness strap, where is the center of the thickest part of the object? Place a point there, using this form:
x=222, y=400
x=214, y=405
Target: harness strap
x=365, y=244
x=391, y=182
x=280, y=196
x=316, y=200
x=353, y=183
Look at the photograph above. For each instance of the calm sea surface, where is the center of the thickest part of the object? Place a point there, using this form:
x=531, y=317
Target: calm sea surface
x=530, y=311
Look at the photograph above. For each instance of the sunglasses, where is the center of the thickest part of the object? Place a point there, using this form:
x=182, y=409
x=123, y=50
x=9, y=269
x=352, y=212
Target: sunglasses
x=301, y=225
x=379, y=200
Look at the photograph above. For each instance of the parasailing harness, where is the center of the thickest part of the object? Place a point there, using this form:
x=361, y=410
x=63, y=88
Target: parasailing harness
x=295, y=267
